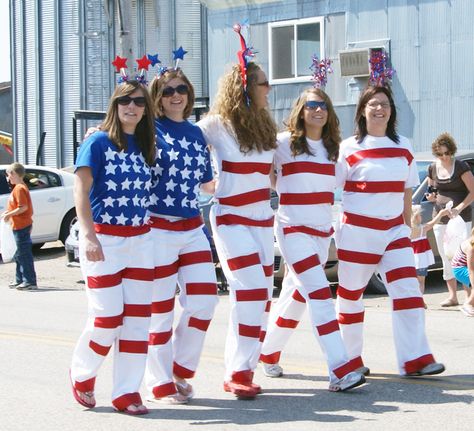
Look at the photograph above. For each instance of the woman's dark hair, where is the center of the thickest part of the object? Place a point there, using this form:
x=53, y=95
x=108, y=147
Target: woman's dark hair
x=145, y=130
x=361, y=121
x=331, y=134
x=160, y=82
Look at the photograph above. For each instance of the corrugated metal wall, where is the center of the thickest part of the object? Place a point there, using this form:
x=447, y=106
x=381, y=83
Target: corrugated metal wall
x=431, y=48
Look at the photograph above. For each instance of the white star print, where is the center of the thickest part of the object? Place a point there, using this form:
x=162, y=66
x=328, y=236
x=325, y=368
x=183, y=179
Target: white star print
x=198, y=174
x=187, y=160
x=184, y=202
x=108, y=202
x=158, y=153
x=158, y=170
x=126, y=184
x=173, y=155
x=136, y=168
x=122, y=201
x=122, y=155
x=194, y=203
x=136, y=220
x=172, y=171
x=197, y=146
x=185, y=173
x=124, y=167
x=153, y=199
x=133, y=157
x=106, y=219
x=169, y=201
x=184, y=143
x=137, y=183
x=184, y=187
x=121, y=219
x=136, y=201
x=170, y=185
x=110, y=169
x=111, y=185
x=201, y=160
x=168, y=139
x=110, y=154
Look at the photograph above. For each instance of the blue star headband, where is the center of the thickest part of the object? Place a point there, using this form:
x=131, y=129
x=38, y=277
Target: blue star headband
x=178, y=54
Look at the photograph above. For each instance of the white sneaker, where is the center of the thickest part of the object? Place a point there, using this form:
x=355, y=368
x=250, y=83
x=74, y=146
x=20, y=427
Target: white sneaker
x=428, y=370
x=272, y=370
x=349, y=381
x=363, y=370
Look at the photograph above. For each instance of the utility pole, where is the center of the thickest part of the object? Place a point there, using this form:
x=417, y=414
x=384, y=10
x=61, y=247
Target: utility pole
x=125, y=34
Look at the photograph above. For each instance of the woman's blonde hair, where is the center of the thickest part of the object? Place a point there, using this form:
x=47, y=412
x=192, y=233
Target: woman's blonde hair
x=145, y=130
x=331, y=134
x=254, y=127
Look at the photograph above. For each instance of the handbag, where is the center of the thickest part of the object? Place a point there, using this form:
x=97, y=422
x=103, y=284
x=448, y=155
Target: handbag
x=7, y=241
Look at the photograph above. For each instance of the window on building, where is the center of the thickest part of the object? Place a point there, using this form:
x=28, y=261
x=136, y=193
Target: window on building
x=291, y=47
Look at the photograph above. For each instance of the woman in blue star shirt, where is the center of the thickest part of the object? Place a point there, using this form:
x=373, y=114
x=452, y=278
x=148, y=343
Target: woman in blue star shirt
x=182, y=252
x=113, y=179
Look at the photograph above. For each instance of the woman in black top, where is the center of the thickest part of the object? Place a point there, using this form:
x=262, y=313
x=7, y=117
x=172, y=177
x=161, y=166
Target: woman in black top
x=449, y=180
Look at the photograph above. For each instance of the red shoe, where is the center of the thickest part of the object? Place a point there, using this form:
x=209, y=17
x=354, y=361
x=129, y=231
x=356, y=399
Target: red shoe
x=241, y=390
x=77, y=397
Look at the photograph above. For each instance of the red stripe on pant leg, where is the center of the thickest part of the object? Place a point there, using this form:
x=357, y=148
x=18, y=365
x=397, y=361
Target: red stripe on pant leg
x=99, y=349
x=352, y=295
x=358, y=256
x=200, y=324
x=398, y=244
x=137, y=310
x=160, y=307
x=321, y=294
x=298, y=297
x=400, y=273
x=203, y=256
x=262, y=336
x=287, y=323
x=272, y=358
x=110, y=322
x=417, y=364
x=356, y=362
x=251, y=295
x=164, y=271
x=305, y=264
x=201, y=288
x=268, y=306
x=182, y=372
x=268, y=270
x=133, y=346
x=408, y=303
x=164, y=390
x=328, y=328
x=122, y=402
x=240, y=262
x=350, y=318
x=345, y=369
x=142, y=274
x=159, y=338
x=103, y=281
x=249, y=331
x=85, y=386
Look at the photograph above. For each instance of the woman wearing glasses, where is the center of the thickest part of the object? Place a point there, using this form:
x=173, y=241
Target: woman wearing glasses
x=182, y=252
x=377, y=172
x=305, y=162
x=111, y=190
x=449, y=180
x=242, y=136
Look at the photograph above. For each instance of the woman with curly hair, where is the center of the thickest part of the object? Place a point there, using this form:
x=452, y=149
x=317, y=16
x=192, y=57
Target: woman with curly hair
x=305, y=162
x=242, y=136
x=377, y=171
x=449, y=179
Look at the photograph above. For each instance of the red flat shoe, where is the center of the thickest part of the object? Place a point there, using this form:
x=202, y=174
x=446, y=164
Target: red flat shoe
x=127, y=411
x=241, y=390
x=77, y=397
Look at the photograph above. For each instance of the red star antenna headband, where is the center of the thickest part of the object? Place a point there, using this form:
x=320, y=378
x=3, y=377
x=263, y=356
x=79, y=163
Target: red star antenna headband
x=243, y=55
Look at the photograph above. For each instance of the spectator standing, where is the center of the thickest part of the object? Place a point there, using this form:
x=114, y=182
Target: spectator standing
x=463, y=270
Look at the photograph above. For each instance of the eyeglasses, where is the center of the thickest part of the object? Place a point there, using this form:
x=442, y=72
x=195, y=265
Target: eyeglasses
x=139, y=101
x=375, y=105
x=446, y=153
x=263, y=84
x=312, y=105
x=180, y=89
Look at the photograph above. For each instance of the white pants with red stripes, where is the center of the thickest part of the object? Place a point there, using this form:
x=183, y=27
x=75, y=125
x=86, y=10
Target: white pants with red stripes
x=361, y=252
x=246, y=254
x=182, y=257
x=305, y=285
x=119, y=292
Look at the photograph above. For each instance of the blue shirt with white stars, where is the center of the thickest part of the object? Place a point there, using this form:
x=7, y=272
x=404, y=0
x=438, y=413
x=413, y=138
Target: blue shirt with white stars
x=122, y=179
x=182, y=165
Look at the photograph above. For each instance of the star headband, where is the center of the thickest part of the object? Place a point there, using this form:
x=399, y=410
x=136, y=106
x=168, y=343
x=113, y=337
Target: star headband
x=244, y=55
x=120, y=64
x=321, y=69
x=380, y=73
x=178, y=54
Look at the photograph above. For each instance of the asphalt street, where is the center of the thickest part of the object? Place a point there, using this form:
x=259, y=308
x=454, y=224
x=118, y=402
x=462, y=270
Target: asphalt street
x=38, y=331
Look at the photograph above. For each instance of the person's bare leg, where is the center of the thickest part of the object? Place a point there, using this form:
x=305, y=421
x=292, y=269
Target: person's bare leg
x=452, y=299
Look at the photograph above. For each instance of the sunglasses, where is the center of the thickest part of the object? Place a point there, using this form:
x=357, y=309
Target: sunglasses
x=375, y=105
x=263, y=84
x=446, y=153
x=312, y=105
x=139, y=101
x=180, y=89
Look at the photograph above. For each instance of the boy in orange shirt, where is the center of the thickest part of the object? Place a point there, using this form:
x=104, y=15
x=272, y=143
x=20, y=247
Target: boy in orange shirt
x=20, y=212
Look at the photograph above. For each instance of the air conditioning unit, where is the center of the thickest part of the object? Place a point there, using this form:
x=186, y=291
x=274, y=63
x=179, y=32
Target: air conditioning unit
x=355, y=62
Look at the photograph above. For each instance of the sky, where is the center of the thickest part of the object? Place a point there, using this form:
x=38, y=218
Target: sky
x=4, y=41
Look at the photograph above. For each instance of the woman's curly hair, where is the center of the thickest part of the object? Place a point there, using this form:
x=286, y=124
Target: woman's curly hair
x=445, y=139
x=253, y=127
x=331, y=134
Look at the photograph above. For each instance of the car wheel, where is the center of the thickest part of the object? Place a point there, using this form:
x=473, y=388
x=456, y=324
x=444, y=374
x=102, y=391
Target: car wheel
x=66, y=224
x=376, y=285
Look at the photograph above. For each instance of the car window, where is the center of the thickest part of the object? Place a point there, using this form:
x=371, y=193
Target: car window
x=38, y=179
x=4, y=187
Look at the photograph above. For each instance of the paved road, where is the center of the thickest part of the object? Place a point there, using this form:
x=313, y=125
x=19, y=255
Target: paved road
x=38, y=331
